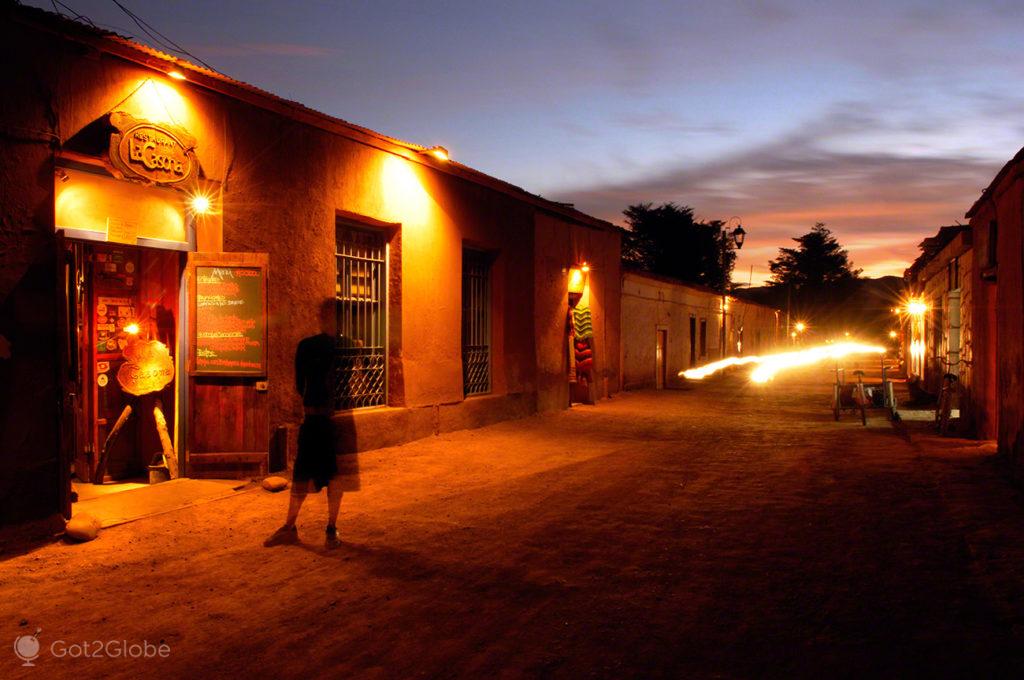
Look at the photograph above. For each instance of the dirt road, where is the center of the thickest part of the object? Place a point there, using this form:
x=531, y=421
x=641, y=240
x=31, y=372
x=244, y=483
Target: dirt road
x=725, y=531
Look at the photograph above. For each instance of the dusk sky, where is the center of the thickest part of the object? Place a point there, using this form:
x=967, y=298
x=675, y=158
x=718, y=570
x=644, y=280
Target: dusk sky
x=883, y=119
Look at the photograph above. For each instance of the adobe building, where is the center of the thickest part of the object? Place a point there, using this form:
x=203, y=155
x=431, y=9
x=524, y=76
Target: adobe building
x=939, y=334
x=997, y=388
x=170, y=234
x=669, y=326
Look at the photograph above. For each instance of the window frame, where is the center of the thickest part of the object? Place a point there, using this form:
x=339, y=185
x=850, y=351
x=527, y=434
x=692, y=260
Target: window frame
x=380, y=289
x=482, y=328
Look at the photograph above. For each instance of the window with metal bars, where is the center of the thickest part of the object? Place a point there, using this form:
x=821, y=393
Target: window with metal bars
x=476, y=322
x=361, y=294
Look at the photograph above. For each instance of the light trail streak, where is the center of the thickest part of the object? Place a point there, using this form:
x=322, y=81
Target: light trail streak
x=715, y=366
x=770, y=364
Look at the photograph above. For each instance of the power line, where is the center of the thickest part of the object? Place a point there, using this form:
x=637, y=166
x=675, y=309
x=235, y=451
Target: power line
x=77, y=15
x=163, y=41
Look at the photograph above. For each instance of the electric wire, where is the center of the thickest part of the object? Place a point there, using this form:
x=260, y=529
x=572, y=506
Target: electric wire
x=161, y=39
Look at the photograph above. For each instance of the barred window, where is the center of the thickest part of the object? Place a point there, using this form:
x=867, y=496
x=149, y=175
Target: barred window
x=476, y=322
x=361, y=294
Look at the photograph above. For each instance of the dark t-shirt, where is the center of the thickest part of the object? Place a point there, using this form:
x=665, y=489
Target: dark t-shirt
x=314, y=375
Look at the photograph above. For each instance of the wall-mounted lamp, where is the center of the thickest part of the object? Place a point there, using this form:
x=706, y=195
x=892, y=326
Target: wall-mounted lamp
x=577, y=280
x=917, y=307
x=438, y=152
x=584, y=267
x=199, y=204
x=177, y=75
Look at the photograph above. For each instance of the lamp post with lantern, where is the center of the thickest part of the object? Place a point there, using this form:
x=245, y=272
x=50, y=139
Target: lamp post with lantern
x=734, y=237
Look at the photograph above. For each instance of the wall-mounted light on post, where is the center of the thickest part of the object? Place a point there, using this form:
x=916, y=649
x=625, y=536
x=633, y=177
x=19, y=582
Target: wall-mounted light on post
x=735, y=238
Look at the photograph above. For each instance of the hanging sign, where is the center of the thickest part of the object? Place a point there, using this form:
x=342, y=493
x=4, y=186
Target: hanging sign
x=230, y=320
x=155, y=153
x=147, y=367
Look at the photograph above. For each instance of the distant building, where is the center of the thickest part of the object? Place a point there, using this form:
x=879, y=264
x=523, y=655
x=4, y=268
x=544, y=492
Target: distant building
x=939, y=339
x=146, y=197
x=669, y=326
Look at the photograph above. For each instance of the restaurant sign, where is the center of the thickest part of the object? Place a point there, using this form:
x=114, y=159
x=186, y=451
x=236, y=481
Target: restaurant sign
x=159, y=154
x=148, y=367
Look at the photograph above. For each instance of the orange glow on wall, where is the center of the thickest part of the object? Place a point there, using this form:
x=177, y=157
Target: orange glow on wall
x=88, y=201
x=158, y=102
x=577, y=280
x=404, y=196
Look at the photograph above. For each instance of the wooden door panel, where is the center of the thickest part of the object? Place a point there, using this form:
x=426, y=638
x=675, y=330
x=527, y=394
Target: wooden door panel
x=228, y=428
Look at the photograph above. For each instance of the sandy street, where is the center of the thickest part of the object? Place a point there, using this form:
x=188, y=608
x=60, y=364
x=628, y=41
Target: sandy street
x=724, y=531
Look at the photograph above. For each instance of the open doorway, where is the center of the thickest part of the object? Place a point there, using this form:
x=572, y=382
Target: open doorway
x=120, y=297
x=661, y=373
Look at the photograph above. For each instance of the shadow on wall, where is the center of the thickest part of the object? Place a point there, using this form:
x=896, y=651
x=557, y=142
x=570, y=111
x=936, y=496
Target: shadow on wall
x=29, y=454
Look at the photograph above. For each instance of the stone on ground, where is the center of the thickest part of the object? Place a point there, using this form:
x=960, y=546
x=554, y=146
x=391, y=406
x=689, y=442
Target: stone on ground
x=275, y=483
x=82, y=528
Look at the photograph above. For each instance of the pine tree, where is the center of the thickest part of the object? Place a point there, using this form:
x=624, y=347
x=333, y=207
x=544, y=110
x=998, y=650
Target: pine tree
x=818, y=263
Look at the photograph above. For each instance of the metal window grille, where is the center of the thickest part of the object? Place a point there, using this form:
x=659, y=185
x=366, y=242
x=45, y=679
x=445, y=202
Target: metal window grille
x=361, y=293
x=476, y=322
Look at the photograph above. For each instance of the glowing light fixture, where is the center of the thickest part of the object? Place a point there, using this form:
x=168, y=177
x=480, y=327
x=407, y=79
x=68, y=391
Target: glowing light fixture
x=438, y=152
x=577, y=280
x=585, y=268
x=893, y=335
x=199, y=204
x=916, y=307
x=132, y=328
x=177, y=75
x=800, y=326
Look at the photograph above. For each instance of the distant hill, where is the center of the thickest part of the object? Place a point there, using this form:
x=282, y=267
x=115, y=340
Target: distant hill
x=863, y=307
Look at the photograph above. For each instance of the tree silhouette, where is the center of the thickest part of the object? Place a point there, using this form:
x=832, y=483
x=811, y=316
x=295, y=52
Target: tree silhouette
x=819, y=263
x=667, y=240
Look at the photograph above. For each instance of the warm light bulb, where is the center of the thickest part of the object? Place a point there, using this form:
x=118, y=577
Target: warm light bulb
x=177, y=75
x=200, y=204
x=438, y=152
x=132, y=329
x=585, y=267
x=893, y=334
x=800, y=326
x=916, y=307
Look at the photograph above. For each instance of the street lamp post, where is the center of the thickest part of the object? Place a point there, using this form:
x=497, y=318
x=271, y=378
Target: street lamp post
x=735, y=237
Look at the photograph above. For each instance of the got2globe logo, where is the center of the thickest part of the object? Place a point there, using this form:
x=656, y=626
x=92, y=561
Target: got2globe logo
x=26, y=647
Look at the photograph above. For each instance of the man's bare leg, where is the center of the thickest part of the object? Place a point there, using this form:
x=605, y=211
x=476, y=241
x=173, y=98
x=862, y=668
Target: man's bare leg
x=288, y=533
x=334, y=494
x=298, y=495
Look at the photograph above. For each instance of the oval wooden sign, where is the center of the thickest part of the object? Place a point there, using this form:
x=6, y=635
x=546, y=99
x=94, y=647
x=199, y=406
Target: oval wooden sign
x=155, y=153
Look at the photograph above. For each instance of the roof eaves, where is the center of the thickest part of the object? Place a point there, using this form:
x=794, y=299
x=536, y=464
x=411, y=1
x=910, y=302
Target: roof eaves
x=131, y=50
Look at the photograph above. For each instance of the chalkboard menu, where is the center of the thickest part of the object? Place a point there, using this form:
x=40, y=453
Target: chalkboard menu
x=230, y=321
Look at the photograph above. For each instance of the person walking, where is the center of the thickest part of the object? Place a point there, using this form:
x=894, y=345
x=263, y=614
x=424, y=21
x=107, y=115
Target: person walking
x=315, y=463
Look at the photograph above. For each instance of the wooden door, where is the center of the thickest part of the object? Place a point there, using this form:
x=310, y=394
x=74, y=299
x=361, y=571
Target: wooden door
x=660, y=359
x=228, y=430
x=693, y=342
x=70, y=262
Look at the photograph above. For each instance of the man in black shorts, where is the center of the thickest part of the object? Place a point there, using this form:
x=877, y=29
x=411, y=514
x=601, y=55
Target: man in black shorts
x=315, y=463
